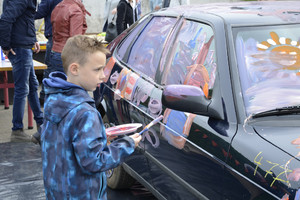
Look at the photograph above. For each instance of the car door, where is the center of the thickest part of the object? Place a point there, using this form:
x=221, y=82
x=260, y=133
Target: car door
x=119, y=108
x=132, y=71
x=187, y=153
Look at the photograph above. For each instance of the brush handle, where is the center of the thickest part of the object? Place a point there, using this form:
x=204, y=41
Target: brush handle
x=142, y=131
x=155, y=121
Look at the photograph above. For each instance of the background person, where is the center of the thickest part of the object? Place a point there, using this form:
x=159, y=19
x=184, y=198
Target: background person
x=17, y=37
x=109, y=12
x=122, y=22
x=125, y=17
x=137, y=9
x=67, y=19
x=179, y=2
x=155, y=5
x=75, y=154
x=44, y=10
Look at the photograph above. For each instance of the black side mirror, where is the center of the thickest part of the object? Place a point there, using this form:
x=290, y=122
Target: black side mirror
x=186, y=98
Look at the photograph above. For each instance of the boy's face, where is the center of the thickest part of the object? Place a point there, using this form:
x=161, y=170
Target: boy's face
x=91, y=74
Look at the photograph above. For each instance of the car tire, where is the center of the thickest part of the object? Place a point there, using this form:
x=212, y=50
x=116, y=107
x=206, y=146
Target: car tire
x=118, y=178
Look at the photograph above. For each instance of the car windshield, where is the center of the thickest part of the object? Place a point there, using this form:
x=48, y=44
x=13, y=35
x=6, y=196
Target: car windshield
x=268, y=60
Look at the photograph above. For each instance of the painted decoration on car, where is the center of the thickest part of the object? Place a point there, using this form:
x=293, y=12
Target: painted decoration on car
x=198, y=76
x=154, y=104
x=144, y=55
x=192, y=60
x=269, y=65
x=114, y=77
x=155, y=107
x=131, y=86
x=176, y=123
x=122, y=81
x=109, y=66
x=142, y=91
x=286, y=52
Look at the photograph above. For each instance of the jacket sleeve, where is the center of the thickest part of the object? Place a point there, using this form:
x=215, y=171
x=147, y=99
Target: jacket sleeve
x=121, y=12
x=90, y=145
x=13, y=10
x=77, y=23
x=43, y=10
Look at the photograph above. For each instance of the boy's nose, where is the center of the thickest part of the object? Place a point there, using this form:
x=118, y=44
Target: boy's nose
x=102, y=76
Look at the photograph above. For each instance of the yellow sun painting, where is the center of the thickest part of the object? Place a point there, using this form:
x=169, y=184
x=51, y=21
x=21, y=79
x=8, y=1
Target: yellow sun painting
x=287, y=51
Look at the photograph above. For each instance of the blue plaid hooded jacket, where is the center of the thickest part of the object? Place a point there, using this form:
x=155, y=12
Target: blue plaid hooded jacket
x=75, y=154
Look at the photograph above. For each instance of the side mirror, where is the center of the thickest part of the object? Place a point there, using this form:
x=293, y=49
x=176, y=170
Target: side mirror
x=186, y=98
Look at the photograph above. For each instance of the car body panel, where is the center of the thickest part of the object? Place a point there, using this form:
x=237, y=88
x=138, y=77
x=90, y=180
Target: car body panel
x=266, y=165
x=226, y=154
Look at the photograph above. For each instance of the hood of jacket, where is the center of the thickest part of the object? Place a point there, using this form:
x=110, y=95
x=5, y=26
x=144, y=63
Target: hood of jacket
x=62, y=96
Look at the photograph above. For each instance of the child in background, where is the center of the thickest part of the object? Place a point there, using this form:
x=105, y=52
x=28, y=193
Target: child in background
x=75, y=153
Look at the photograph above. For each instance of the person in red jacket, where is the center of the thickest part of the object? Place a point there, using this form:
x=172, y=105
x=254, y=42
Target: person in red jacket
x=67, y=19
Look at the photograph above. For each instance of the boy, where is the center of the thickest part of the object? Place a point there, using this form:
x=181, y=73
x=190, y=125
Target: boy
x=74, y=145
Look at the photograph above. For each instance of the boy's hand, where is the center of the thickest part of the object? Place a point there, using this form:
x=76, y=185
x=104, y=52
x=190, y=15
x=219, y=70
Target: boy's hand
x=136, y=138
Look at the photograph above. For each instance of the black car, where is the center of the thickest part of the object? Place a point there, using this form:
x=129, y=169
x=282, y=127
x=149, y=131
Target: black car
x=226, y=78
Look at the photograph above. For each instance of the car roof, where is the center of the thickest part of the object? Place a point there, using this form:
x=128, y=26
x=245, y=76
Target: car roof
x=242, y=13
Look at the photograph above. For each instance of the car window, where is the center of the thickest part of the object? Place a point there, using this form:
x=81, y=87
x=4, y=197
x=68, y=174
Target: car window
x=268, y=62
x=121, y=52
x=145, y=53
x=192, y=58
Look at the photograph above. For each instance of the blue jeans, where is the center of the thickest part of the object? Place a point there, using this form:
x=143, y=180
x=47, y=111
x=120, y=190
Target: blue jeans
x=48, y=51
x=47, y=62
x=26, y=85
x=55, y=62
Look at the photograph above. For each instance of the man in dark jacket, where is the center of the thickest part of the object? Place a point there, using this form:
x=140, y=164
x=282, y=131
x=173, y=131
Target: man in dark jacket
x=44, y=10
x=17, y=37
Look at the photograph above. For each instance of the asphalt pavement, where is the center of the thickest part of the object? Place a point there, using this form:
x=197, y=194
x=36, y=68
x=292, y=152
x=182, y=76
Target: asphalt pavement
x=6, y=123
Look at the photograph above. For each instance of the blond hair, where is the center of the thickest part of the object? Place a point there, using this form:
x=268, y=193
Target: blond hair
x=78, y=47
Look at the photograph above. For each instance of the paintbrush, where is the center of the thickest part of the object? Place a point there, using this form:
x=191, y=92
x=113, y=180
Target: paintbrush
x=155, y=121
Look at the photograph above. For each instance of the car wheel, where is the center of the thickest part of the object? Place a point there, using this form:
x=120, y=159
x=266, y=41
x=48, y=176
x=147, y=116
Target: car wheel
x=118, y=178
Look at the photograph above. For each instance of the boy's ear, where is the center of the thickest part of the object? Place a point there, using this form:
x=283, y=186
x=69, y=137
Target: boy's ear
x=73, y=68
